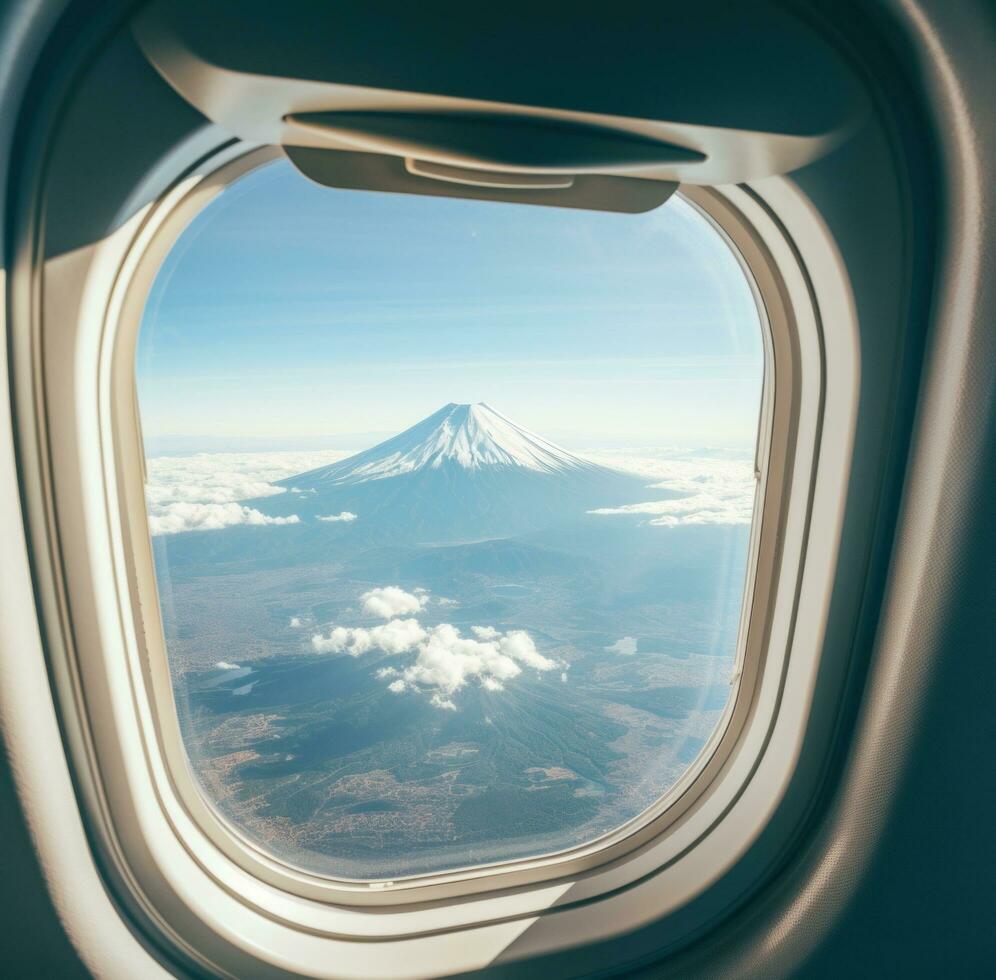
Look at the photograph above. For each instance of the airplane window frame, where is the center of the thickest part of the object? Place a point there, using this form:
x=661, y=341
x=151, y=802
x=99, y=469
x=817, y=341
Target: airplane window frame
x=426, y=886
x=139, y=795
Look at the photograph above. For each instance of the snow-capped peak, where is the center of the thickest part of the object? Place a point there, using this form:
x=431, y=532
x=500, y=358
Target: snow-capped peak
x=471, y=436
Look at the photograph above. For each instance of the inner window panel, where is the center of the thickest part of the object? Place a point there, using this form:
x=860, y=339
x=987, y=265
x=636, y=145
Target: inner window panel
x=450, y=504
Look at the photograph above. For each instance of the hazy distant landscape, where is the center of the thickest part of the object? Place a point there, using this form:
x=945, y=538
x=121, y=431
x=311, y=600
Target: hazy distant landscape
x=462, y=645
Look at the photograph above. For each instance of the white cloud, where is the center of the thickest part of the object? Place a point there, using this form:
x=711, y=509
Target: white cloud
x=563, y=676
x=714, y=491
x=220, y=479
x=346, y=516
x=396, y=636
x=391, y=601
x=225, y=665
x=519, y=646
x=445, y=660
x=295, y=623
x=443, y=601
x=700, y=509
x=178, y=517
x=626, y=645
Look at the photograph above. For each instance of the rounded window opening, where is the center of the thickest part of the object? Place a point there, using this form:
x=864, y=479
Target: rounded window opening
x=451, y=507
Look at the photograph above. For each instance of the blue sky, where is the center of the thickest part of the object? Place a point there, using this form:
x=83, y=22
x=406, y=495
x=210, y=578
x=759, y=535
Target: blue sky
x=290, y=315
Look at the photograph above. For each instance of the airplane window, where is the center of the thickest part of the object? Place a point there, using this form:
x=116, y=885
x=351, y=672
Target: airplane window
x=451, y=507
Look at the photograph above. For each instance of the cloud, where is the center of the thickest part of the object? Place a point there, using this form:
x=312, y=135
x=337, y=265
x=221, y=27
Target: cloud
x=391, y=601
x=445, y=660
x=713, y=491
x=563, y=676
x=519, y=646
x=220, y=479
x=335, y=518
x=179, y=517
x=626, y=645
x=295, y=623
x=700, y=509
x=225, y=665
x=396, y=636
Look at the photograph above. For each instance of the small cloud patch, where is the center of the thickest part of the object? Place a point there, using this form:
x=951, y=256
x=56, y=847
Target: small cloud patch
x=391, y=601
x=625, y=645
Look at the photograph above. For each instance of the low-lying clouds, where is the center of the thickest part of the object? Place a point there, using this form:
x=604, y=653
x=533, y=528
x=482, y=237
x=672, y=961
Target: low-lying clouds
x=625, y=645
x=714, y=490
x=202, y=492
x=446, y=660
x=391, y=601
x=209, y=517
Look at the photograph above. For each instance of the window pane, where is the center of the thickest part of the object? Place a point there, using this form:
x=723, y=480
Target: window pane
x=450, y=504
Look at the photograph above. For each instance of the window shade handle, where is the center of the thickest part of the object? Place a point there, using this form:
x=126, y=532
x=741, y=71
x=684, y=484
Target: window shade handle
x=518, y=144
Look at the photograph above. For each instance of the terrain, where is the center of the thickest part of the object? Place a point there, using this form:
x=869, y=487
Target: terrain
x=472, y=666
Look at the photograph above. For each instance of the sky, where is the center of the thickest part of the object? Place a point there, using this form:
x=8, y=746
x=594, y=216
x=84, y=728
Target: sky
x=290, y=316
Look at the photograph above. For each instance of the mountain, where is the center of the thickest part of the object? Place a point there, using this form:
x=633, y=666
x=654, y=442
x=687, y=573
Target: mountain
x=465, y=473
x=472, y=437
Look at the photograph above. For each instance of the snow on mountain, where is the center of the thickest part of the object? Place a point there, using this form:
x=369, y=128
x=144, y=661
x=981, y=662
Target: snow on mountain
x=471, y=436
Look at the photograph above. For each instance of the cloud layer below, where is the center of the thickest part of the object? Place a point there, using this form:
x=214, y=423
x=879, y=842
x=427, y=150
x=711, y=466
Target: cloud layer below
x=714, y=490
x=202, y=492
x=210, y=517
